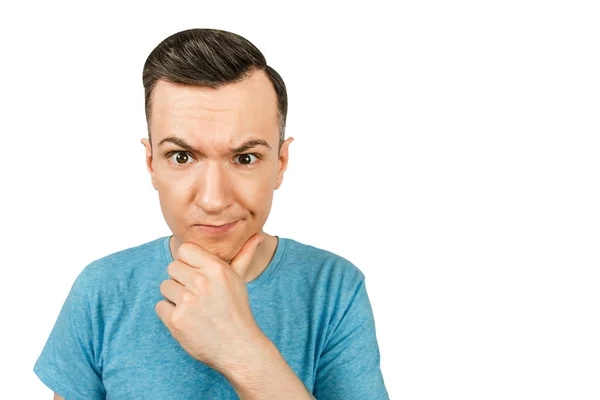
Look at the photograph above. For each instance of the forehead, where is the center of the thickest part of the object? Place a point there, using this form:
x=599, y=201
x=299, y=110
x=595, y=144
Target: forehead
x=248, y=107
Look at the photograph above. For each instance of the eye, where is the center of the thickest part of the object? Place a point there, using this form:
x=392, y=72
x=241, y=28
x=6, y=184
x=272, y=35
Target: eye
x=181, y=157
x=246, y=158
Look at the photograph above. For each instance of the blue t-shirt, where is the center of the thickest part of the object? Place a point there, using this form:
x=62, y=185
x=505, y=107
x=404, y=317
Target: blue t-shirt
x=108, y=342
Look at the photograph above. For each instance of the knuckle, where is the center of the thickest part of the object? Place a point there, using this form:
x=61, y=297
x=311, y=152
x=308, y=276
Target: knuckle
x=198, y=281
x=187, y=297
x=176, y=321
x=220, y=271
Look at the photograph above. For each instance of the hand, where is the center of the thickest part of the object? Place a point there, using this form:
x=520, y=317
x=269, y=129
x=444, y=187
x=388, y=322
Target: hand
x=211, y=318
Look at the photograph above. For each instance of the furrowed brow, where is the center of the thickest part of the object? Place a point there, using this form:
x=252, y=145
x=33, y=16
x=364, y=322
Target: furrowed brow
x=248, y=144
x=177, y=141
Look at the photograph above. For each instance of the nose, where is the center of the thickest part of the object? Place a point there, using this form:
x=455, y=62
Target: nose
x=214, y=193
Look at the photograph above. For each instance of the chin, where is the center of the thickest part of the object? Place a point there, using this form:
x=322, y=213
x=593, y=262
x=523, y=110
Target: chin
x=220, y=247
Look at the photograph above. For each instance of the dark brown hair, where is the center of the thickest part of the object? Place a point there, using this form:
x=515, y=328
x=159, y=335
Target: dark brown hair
x=209, y=58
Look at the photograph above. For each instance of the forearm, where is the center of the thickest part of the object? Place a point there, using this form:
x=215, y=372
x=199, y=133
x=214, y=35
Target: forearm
x=266, y=376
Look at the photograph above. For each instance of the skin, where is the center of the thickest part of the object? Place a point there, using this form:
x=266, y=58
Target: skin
x=211, y=318
x=215, y=186
x=212, y=184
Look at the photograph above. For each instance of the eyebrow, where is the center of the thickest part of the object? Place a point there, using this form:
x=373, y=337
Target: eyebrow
x=248, y=144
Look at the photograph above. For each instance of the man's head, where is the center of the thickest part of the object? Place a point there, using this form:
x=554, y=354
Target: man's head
x=215, y=149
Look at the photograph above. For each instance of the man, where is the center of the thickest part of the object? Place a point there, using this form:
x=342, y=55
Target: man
x=220, y=309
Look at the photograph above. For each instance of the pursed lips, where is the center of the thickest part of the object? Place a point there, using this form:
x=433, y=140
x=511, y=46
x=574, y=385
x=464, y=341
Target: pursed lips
x=216, y=228
x=217, y=224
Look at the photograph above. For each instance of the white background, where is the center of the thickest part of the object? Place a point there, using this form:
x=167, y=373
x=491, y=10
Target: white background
x=448, y=149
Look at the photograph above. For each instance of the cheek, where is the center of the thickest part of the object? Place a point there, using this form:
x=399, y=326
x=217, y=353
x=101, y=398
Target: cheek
x=256, y=194
x=174, y=189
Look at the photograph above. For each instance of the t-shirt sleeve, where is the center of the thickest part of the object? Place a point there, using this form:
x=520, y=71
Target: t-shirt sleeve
x=68, y=364
x=349, y=365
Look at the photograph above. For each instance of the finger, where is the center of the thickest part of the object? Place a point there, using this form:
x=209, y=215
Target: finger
x=195, y=256
x=181, y=272
x=172, y=291
x=243, y=259
x=164, y=309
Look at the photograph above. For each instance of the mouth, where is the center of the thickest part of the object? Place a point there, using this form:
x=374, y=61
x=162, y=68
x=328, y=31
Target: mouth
x=215, y=228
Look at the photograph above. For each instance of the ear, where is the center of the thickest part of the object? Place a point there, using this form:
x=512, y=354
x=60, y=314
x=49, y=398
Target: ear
x=148, y=148
x=283, y=161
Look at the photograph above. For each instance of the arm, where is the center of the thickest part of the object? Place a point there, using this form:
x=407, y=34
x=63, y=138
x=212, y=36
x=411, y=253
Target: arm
x=68, y=361
x=349, y=365
x=57, y=397
x=266, y=376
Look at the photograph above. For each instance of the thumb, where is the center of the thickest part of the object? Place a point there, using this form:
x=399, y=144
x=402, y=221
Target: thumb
x=242, y=260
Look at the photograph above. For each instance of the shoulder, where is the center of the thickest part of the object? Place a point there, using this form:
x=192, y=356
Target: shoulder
x=123, y=264
x=320, y=262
